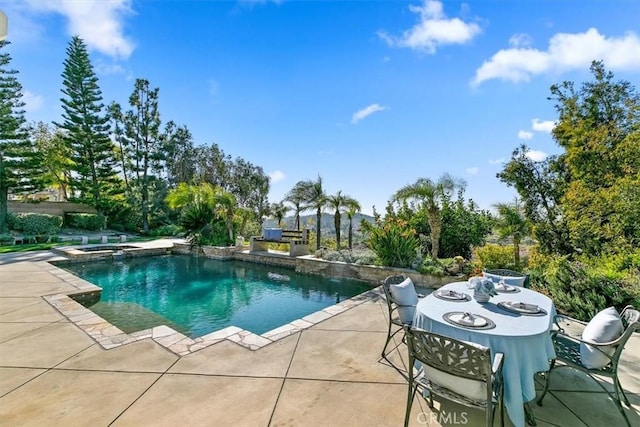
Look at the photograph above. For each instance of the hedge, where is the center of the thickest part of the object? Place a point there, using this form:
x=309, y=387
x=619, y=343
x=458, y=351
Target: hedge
x=35, y=224
x=85, y=221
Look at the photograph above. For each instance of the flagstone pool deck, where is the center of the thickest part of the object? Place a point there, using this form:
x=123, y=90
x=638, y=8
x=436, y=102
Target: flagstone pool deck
x=328, y=374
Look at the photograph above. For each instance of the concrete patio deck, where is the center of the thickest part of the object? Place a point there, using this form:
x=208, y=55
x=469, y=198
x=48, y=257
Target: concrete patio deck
x=52, y=373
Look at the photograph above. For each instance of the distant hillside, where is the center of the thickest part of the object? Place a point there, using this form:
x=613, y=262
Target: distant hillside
x=327, y=228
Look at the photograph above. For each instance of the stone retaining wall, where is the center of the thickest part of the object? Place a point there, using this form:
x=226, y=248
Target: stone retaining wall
x=50, y=208
x=311, y=265
x=367, y=273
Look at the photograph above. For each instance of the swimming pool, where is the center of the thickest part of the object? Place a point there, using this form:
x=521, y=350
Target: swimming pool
x=196, y=295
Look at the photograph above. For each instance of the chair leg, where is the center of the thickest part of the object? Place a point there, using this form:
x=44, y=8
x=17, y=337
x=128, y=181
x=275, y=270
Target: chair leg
x=490, y=409
x=410, y=398
x=617, y=386
x=389, y=335
x=546, y=382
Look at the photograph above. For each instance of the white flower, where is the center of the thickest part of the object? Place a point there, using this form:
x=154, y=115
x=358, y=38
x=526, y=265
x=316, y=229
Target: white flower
x=484, y=286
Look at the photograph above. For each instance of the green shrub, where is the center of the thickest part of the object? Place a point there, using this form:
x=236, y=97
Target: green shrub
x=432, y=266
x=14, y=221
x=166, y=230
x=40, y=224
x=581, y=291
x=85, y=221
x=394, y=242
x=496, y=256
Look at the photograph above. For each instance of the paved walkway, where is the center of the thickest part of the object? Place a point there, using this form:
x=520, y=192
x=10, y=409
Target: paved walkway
x=52, y=373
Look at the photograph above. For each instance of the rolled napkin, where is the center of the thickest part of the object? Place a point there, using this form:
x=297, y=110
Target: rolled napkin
x=451, y=294
x=468, y=319
x=503, y=287
x=524, y=307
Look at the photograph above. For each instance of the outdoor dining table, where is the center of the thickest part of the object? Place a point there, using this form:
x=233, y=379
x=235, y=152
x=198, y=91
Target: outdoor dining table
x=523, y=339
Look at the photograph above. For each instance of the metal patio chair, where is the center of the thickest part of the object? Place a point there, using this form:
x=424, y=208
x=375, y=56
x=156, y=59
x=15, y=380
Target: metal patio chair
x=458, y=371
x=503, y=272
x=394, y=318
x=568, y=351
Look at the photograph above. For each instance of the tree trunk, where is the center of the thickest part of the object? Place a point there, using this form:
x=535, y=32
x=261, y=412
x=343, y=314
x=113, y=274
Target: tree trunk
x=516, y=251
x=319, y=218
x=4, y=228
x=336, y=223
x=145, y=203
x=230, y=225
x=435, y=225
x=350, y=233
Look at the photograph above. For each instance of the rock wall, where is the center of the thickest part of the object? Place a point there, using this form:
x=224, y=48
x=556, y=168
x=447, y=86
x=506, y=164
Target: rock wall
x=311, y=265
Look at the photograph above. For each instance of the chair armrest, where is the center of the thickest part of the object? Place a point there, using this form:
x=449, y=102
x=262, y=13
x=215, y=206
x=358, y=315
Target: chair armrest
x=592, y=344
x=560, y=317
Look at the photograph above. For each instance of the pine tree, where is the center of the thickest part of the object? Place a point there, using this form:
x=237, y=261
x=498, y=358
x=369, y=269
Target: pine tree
x=19, y=162
x=144, y=141
x=86, y=128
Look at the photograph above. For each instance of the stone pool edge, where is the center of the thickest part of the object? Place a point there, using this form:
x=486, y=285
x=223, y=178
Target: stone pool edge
x=110, y=336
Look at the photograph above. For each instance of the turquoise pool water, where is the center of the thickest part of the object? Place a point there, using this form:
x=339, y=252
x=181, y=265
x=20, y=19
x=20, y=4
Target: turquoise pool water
x=200, y=295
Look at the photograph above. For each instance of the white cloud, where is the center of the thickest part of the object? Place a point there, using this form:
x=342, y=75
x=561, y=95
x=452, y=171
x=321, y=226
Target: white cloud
x=565, y=52
x=32, y=102
x=543, y=125
x=277, y=176
x=472, y=171
x=365, y=112
x=520, y=40
x=106, y=69
x=523, y=134
x=433, y=30
x=499, y=161
x=536, y=155
x=98, y=22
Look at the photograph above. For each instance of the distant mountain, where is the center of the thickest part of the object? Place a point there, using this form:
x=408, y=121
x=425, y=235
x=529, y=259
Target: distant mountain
x=327, y=227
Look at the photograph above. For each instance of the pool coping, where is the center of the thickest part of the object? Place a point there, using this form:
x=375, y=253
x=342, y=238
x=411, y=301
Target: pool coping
x=110, y=336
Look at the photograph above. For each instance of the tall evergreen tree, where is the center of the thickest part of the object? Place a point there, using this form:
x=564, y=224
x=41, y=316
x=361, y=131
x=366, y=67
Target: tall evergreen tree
x=54, y=153
x=115, y=116
x=142, y=131
x=86, y=128
x=19, y=162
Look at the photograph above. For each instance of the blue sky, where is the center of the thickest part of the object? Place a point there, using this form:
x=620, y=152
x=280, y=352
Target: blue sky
x=370, y=95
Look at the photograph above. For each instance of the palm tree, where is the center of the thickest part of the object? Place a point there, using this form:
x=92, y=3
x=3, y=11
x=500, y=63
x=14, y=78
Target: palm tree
x=204, y=199
x=430, y=193
x=279, y=210
x=336, y=202
x=228, y=203
x=315, y=198
x=353, y=207
x=512, y=223
x=296, y=197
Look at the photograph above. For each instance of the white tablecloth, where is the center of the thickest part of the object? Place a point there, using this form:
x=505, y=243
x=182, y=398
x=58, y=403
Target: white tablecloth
x=524, y=340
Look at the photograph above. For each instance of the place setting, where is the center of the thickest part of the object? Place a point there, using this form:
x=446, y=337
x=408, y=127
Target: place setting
x=469, y=320
x=451, y=295
x=502, y=287
x=522, y=308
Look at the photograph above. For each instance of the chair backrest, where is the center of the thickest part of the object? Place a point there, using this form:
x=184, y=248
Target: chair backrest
x=450, y=355
x=386, y=287
x=631, y=321
x=505, y=273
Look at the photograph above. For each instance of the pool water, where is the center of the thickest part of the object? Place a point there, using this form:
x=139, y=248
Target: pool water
x=196, y=295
